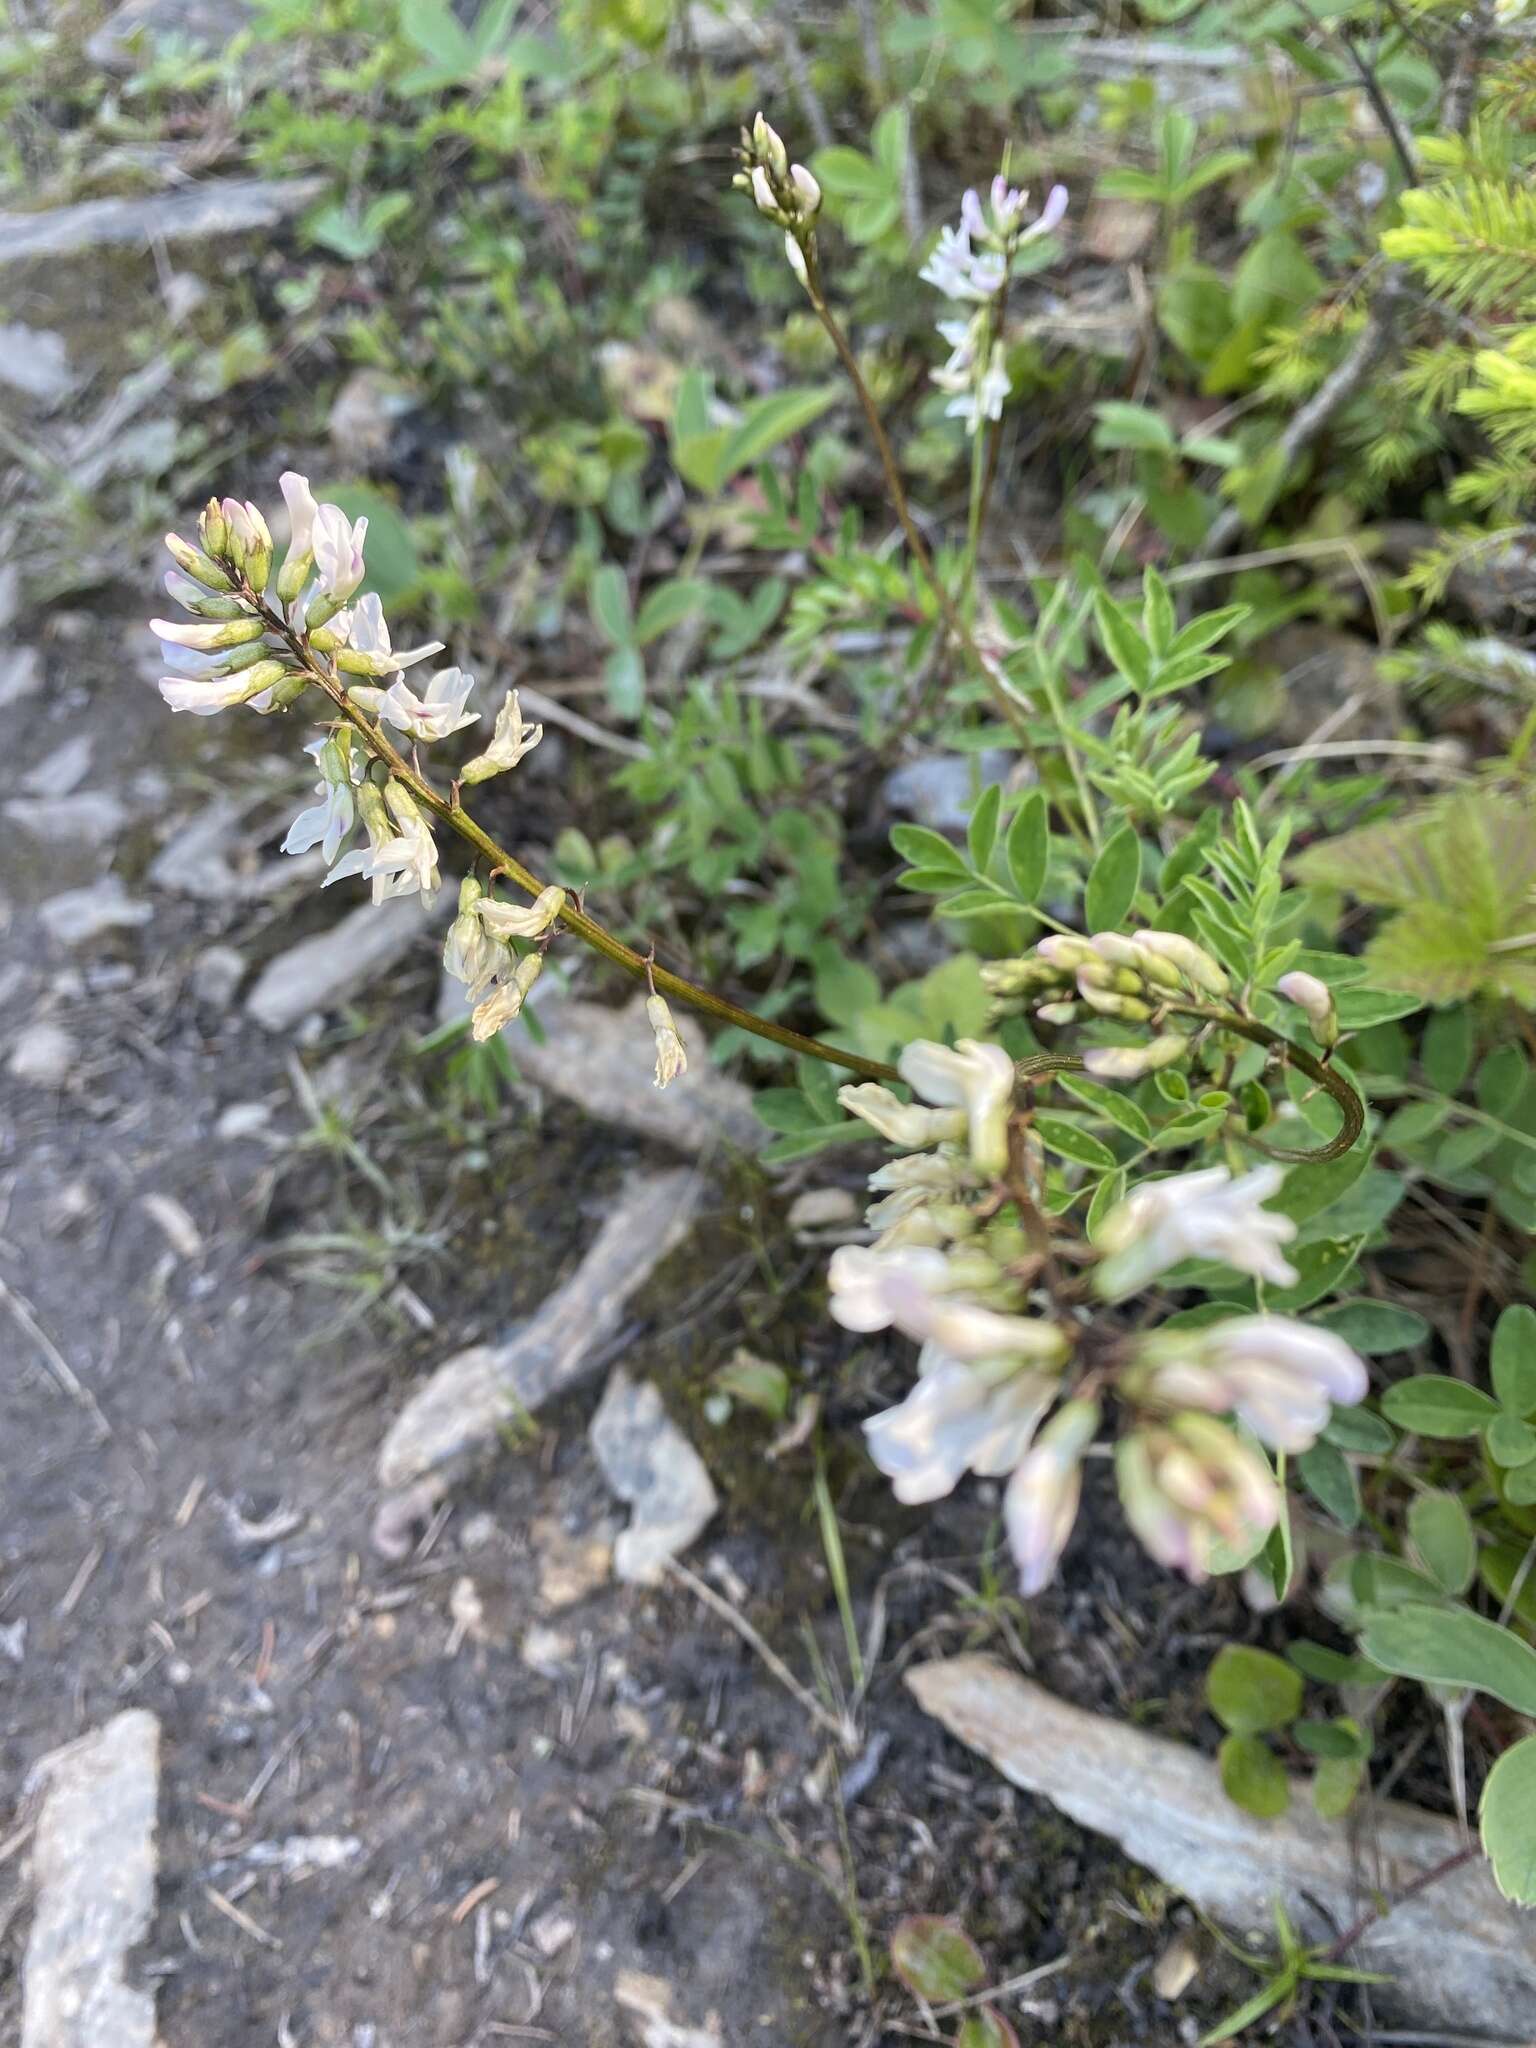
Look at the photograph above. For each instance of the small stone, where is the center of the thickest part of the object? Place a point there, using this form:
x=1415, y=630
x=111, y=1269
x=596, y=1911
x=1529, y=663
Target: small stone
x=938, y=792
x=478, y=1532
x=823, y=1209
x=648, y=1462
x=43, y=1054
x=1176, y=1968
x=547, y=1650
x=649, y=2001
x=35, y=363
x=13, y=1640
x=570, y=1567
x=301, y=1853
x=216, y=973
x=62, y=771
x=175, y=1220
x=21, y=674
x=94, y=1866
x=336, y=965
x=79, y=917
x=242, y=1120
x=551, y=1932
x=89, y=818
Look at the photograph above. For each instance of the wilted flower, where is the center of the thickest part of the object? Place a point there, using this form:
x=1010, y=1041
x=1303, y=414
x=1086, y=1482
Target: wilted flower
x=521, y=920
x=1278, y=1376
x=400, y=861
x=1204, y=1215
x=328, y=823
x=1040, y=1504
x=1315, y=999
x=957, y=1418
x=904, y=1123
x=436, y=714
x=671, y=1053
x=971, y=1076
x=506, y=1001
x=510, y=740
x=1188, y=1485
x=337, y=544
x=470, y=954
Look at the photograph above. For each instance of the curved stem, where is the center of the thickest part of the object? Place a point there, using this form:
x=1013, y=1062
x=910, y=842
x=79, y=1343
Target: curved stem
x=1001, y=695
x=586, y=928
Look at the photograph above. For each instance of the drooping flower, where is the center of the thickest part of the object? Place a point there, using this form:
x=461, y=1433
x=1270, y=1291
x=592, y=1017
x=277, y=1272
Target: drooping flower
x=521, y=920
x=1279, y=1376
x=1202, y=1215
x=1190, y=1484
x=470, y=954
x=402, y=855
x=367, y=649
x=976, y=1078
x=434, y=715
x=506, y=1000
x=328, y=823
x=1040, y=1504
x=957, y=1418
x=510, y=741
x=671, y=1053
x=905, y=1123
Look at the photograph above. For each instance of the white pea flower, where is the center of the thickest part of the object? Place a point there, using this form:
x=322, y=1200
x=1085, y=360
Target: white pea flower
x=872, y=1289
x=671, y=1053
x=957, y=1418
x=402, y=856
x=302, y=513
x=328, y=823
x=1279, y=1376
x=510, y=741
x=203, y=695
x=206, y=636
x=521, y=920
x=506, y=1000
x=967, y=275
x=368, y=651
x=1204, y=1215
x=337, y=543
x=971, y=1076
x=969, y=1330
x=1314, y=999
x=436, y=714
x=470, y=954
x=1198, y=967
x=1041, y=1501
x=904, y=1123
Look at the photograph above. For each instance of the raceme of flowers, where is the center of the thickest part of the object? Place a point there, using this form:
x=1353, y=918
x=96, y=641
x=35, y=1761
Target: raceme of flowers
x=971, y=266
x=262, y=639
x=1009, y=1382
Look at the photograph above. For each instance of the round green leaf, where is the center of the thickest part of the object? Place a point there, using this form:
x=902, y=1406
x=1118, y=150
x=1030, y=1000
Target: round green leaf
x=1113, y=882
x=1453, y=1646
x=936, y=1959
x=1446, y=1051
x=1510, y=1441
x=1334, y=1785
x=986, y=2029
x=1508, y=1818
x=1253, y=1777
x=1330, y=1479
x=1249, y=1690
x=1374, y=1328
x=1028, y=846
x=1432, y=1405
x=1514, y=1358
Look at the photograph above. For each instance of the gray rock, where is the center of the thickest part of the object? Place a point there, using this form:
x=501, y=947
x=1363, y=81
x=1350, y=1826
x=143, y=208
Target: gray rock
x=222, y=206
x=939, y=791
x=603, y=1060
x=195, y=860
x=62, y=771
x=21, y=674
x=216, y=973
x=469, y=1399
x=648, y=1462
x=35, y=363
x=79, y=917
x=320, y=972
x=1457, y=1954
x=42, y=1054
x=89, y=818
x=93, y=1865
x=202, y=23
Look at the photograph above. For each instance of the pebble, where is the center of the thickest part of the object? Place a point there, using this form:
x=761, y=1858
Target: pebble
x=21, y=674
x=43, y=1054
x=648, y=1462
x=216, y=973
x=938, y=792
x=62, y=771
x=78, y=917
x=35, y=363
x=242, y=1120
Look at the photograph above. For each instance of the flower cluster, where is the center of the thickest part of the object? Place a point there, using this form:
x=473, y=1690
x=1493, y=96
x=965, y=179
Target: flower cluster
x=264, y=639
x=783, y=192
x=962, y=1265
x=971, y=266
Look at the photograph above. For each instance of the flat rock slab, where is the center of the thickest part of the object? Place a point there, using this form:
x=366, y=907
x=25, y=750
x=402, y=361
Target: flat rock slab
x=603, y=1059
x=1457, y=1954
x=461, y=1410
x=223, y=206
x=93, y=1864
x=322, y=971
x=648, y=1462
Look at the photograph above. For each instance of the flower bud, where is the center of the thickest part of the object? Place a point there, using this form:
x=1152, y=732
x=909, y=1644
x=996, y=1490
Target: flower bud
x=762, y=193
x=809, y=191
x=1129, y=1009
x=506, y=1001
x=1190, y=1485
x=521, y=920
x=671, y=1053
x=1131, y=1062
x=213, y=530
x=1041, y=1501
x=905, y=1124
x=1056, y=1013
x=1196, y=965
x=205, y=639
x=1315, y=999
x=200, y=567
x=795, y=256
x=769, y=148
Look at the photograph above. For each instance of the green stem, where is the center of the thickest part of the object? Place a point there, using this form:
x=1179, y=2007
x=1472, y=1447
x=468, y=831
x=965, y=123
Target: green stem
x=586, y=928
